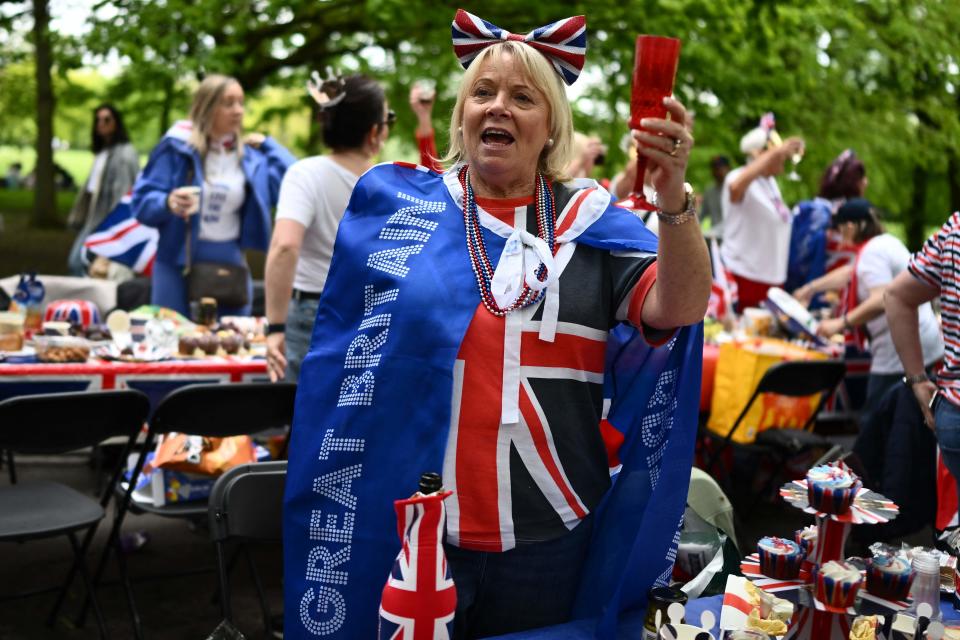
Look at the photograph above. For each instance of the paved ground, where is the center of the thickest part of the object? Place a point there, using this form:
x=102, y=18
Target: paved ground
x=183, y=607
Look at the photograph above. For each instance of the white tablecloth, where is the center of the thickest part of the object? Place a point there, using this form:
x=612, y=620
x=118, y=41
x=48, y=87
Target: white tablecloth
x=103, y=293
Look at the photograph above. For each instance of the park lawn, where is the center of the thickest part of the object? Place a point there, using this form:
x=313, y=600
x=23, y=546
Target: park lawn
x=77, y=162
x=24, y=248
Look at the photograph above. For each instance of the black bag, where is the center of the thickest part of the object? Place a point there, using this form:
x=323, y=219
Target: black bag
x=225, y=282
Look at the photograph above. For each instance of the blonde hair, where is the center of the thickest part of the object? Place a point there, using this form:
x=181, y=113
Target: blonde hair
x=541, y=74
x=205, y=102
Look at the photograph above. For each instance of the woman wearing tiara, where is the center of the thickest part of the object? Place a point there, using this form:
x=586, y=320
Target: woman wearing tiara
x=313, y=197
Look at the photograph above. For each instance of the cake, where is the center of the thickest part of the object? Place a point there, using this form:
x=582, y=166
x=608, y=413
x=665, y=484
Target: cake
x=837, y=584
x=807, y=539
x=889, y=577
x=779, y=558
x=832, y=487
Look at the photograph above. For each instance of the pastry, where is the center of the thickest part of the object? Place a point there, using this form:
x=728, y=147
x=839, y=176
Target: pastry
x=832, y=487
x=779, y=557
x=837, y=584
x=889, y=577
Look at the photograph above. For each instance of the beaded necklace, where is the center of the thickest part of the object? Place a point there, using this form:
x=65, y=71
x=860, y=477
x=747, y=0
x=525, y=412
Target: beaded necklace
x=480, y=261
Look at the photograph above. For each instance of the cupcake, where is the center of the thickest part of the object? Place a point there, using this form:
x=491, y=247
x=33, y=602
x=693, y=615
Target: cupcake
x=832, y=487
x=187, y=345
x=807, y=539
x=837, y=584
x=889, y=577
x=208, y=343
x=779, y=558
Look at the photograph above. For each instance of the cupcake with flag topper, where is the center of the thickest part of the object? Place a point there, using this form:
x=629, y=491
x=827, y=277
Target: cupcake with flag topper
x=889, y=577
x=832, y=487
x=837, y=584
x=779, y=558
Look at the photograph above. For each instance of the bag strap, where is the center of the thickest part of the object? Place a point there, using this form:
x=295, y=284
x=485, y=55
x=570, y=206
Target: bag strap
x=188, y=179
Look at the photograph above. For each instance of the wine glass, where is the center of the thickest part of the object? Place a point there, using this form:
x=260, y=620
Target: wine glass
x=793, y=176
x=654, y=71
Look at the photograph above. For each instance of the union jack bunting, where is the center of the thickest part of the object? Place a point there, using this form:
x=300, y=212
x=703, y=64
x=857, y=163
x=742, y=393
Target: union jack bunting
x=419, y=599
x=81, y=312
x=123, y=239
x=563, y=42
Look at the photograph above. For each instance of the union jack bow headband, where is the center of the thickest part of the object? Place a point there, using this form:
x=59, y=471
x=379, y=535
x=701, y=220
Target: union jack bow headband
x=563, y=42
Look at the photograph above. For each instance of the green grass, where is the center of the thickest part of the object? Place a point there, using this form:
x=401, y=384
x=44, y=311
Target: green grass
x=24, y=248
x=77, y=162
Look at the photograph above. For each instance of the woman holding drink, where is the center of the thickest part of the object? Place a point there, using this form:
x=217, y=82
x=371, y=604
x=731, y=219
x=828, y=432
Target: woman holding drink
x=475, y=308
x=203, y=166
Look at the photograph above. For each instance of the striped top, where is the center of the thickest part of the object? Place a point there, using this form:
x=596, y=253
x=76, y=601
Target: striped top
x=937, y=264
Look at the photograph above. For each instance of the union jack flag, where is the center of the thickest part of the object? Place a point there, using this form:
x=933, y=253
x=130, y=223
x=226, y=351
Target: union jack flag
x=419, y=599
x=563, y=42
x=81, y=312
x=123, y=239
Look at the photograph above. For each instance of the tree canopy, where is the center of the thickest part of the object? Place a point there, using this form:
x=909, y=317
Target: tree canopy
x=878, y=76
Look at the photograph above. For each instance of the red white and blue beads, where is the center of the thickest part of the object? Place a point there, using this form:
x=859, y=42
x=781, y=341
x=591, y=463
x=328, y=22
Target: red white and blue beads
x=479, y=259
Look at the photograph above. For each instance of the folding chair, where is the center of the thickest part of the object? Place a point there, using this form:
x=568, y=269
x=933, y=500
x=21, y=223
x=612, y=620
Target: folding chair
x=795, y=378
x=246, y=504
x=210, y=410
x=53, y=424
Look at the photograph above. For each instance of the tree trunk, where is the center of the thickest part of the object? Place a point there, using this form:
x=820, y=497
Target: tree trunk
x=167, y=106
x=45, y=197
x=953, y=180
x=916, y=217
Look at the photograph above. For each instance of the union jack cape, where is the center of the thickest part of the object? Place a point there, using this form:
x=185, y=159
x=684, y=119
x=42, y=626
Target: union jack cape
x=123, y=239
x=373, y=410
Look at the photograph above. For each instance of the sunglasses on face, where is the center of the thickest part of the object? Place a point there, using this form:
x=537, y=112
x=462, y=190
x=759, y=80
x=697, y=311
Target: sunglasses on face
x=391, y=118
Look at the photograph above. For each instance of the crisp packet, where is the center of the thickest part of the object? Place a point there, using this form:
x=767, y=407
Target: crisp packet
x=865, y=628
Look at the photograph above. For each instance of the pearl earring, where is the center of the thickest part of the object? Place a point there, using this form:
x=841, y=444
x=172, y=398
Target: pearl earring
x=549, y=143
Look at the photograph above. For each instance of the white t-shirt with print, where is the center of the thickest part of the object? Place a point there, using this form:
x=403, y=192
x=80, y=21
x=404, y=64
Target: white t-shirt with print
x=756, y=231
x=315, y=192
x=224, y=189
x=881, y=259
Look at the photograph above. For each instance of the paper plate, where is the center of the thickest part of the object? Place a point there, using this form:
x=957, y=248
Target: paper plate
x=793, y=315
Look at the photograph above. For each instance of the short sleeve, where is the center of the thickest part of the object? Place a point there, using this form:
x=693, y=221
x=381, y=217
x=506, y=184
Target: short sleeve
x=926, y=265
x=298, y=200
x=881, y=261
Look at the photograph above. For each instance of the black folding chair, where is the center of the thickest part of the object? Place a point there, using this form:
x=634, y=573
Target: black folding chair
x=209, y=410
x=54, y=424
x=796, y=378
x=246, y=504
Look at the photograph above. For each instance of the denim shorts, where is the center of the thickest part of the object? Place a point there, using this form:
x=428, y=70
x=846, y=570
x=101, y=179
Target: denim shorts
x=301, y=315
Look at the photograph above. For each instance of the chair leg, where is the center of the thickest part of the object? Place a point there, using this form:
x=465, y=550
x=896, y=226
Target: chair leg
x=84, y=547
x=259, y=587
x=223, y=571
x=91, y=593
x=128, y=592
x=11, y=468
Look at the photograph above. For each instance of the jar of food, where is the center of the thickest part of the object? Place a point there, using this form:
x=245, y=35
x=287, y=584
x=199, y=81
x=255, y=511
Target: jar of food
x=658, y=599
x=207, y=312
x=11, y=331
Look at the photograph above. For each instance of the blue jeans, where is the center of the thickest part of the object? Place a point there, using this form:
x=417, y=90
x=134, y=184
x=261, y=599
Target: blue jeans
x=947, y=418
x=301, y=315
x=532, y=585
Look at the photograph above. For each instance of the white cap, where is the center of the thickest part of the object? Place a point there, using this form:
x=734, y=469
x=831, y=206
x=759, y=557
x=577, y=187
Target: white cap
x=754, y=140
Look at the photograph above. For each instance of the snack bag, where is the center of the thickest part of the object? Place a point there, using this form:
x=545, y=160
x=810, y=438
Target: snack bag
x=207, y=456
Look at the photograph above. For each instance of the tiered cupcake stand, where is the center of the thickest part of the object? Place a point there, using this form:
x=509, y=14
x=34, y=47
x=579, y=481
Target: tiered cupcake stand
x=813, y=619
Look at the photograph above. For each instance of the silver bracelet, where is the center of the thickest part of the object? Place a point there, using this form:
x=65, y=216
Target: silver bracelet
x=677, y=218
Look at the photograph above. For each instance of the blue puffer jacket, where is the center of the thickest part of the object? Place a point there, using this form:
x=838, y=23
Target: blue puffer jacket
x=167, y=169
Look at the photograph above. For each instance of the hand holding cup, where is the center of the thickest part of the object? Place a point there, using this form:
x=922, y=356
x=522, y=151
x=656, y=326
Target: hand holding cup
x=183, y=202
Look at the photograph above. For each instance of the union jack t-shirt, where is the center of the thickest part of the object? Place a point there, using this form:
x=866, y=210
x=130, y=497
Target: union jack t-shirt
x=937, y=264
x=537, y=478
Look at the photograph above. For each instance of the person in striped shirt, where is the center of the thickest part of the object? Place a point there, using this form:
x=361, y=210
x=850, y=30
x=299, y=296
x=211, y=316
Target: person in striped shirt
x=933, y=271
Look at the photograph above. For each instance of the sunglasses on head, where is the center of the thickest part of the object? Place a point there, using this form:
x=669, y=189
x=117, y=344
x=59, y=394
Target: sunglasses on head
x=391, y=118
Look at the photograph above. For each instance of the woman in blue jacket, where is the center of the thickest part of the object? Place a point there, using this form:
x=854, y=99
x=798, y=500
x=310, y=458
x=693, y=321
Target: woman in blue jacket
x=238, y=183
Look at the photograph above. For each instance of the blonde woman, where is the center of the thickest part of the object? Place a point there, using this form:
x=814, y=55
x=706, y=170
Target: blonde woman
x=238, y=180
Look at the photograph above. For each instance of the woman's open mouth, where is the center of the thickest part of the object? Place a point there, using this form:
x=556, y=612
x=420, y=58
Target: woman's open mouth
x=496, y=137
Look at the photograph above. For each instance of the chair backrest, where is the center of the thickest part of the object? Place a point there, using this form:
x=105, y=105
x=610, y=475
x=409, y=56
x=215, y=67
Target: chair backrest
x=60, y=422
x=247, y=502
x=802, y=377
x=220, y=410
